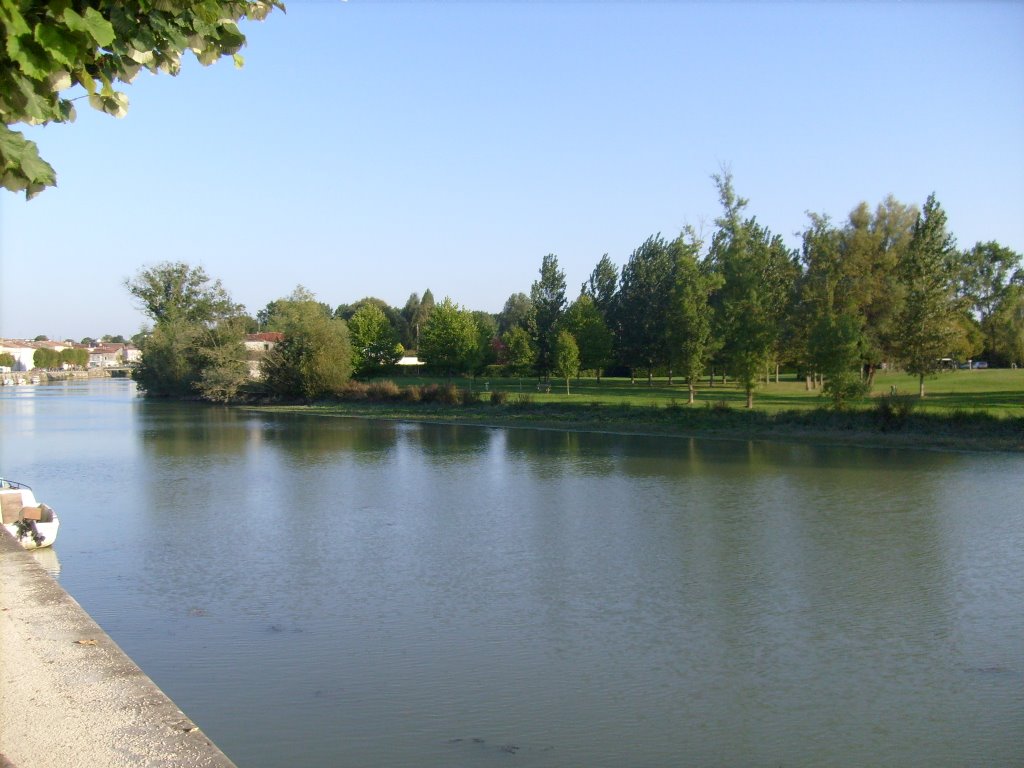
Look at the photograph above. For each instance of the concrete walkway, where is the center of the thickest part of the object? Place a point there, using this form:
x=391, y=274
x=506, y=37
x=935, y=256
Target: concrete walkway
x=69, y=696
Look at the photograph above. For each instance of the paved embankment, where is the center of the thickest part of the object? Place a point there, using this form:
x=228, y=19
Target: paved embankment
x=69, y=696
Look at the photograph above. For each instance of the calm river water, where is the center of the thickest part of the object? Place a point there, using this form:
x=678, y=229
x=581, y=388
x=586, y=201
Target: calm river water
x=335, y=592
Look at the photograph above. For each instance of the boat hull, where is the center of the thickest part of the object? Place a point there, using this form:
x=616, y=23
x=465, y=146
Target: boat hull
x=33, y=525
x=46, y=531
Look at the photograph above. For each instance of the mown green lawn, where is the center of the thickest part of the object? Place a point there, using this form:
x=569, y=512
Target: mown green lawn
x=998, y=392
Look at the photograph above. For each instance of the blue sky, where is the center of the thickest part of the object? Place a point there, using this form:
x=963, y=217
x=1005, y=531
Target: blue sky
x=382, y=148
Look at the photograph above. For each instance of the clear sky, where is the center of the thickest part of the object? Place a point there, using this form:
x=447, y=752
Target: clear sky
x=383, y=148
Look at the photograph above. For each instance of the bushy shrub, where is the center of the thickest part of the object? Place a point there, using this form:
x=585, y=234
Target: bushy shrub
x=719, y=406
x=842, y=388
x=431, y=393
x=449, y=394
x=353, y=391
x=494, y=371
x=384, y=391
x=522, y=400
x=894, y=410
x=499, y=397
x=413, y=394
x=468, y=397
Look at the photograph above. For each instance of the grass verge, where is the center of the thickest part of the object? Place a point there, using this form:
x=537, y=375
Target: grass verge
x=883, y=420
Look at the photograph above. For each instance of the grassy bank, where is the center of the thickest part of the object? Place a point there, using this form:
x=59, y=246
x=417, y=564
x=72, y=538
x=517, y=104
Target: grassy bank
x=963, y=410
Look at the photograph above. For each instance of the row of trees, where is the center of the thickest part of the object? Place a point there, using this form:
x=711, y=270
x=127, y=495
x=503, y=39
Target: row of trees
x=887, y=286
x=51, y=359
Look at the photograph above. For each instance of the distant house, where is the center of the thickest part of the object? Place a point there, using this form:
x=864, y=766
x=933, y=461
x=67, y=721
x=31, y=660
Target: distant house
x=410, y=362
x=108, y=356
x=262, y=342
x=257, y=346
x=21, y=351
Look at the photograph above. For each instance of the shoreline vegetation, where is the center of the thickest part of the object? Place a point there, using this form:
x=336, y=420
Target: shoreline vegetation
x=967, y=410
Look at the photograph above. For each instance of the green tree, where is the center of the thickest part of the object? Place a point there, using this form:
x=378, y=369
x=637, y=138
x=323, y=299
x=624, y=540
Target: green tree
x=188, y=309
x=276, y=315
x=984, y=280
x=566, y=357
x=314, y=360
x=375, y=346
x=412, y=305
x=850, y=274
x=602, y=286
x=448, y=341
x=584, y=321
x=170, y=364
x=176, y=291
x=688, y=315
x=76, y=357
x=394, y=316
x=872, y=247
x=520, y=354
x=1008, y=321
x=757, y=273
x=6, y=360
x=54, y=47
x=547, y=294
x=486, y=339
x=517, y=311
x=835, y=347
x=927, y=325
x=643, y=302
x=222, y=361
x=46, y=358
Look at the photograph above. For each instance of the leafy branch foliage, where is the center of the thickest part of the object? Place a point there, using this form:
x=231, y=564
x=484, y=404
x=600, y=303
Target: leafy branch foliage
x=52, y=48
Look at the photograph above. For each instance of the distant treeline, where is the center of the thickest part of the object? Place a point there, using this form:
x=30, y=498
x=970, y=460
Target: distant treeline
x=886, y=286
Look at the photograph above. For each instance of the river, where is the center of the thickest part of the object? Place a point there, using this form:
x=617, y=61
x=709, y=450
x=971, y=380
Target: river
x=337, y=592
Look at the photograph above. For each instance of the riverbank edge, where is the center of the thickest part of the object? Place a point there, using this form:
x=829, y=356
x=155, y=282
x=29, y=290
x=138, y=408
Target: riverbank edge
x=70, y=695
x=866, y=429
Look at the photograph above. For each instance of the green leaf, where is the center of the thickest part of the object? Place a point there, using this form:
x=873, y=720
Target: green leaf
x=30, y=56
x=21, y=168
x=92, y=23
x=34, y=100
x=59, y=44
x=10, y=16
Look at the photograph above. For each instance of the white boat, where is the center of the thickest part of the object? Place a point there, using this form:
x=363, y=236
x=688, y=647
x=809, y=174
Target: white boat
x=33, y=524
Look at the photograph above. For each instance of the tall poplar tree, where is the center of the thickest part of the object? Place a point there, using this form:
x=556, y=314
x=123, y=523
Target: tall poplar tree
x=757, y=273
x=927, y=325
x=583, y=320
x=548, y=297
x=602, y=286
x=688, y=318
x=642, y=306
